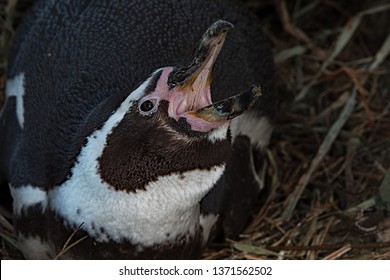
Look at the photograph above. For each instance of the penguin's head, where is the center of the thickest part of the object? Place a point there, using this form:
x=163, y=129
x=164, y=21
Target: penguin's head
x=172, y=125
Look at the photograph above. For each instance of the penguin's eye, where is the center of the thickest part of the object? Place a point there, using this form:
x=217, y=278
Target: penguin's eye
x=148, y=106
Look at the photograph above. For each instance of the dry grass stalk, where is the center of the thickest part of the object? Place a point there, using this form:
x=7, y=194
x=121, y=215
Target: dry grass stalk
x=334, y=131
x=67, y=246
x=338, y=253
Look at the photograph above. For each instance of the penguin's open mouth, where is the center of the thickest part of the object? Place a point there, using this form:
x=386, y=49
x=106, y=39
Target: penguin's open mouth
x=190, y=84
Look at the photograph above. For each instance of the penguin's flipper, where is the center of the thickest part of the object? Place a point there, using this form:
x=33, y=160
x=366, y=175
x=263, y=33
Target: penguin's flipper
x=244, y=185
x=234, y=199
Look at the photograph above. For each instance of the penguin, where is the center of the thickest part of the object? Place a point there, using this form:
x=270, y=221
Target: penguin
x=135, y=129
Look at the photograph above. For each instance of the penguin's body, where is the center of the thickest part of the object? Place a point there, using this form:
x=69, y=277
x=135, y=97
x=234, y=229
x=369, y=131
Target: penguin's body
x=100, y=142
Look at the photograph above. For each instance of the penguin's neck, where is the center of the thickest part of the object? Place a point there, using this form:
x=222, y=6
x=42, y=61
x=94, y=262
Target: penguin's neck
x=166, y=209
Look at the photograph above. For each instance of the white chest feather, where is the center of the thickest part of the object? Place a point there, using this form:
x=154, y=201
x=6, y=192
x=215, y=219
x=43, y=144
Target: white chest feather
x=167, y=209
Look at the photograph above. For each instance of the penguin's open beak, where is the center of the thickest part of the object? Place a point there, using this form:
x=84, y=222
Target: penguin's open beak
x=191, y=84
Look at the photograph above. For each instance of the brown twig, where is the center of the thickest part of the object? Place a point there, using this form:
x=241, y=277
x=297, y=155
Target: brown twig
x=68, y=246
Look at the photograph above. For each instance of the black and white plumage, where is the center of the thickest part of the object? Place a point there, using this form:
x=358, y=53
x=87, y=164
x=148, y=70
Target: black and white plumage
x=103, y=129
